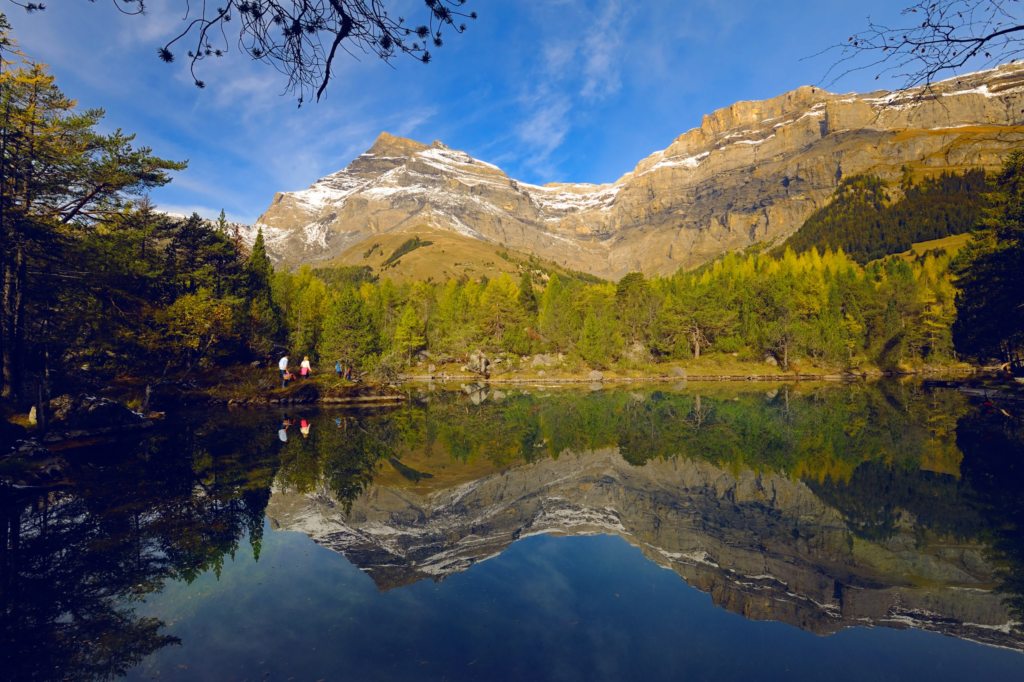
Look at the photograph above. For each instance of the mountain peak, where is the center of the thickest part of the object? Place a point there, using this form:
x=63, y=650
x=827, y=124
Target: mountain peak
x=749, y=173
x=390, y=145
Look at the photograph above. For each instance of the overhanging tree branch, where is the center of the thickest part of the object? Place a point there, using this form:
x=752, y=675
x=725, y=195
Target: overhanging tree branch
x=301, y=38
x=952, y=35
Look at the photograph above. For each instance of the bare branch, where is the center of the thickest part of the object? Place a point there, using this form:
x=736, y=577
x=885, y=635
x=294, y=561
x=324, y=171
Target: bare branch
x=952, y=35
x=301, y=38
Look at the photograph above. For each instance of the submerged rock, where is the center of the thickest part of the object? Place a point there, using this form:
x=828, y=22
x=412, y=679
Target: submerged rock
x=88, y=413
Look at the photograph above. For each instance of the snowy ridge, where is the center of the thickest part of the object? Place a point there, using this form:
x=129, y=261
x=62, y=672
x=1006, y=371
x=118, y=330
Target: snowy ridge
x=655, y=218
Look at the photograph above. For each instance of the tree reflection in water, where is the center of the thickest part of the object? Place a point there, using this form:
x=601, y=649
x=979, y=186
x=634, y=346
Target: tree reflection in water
x=136, y=514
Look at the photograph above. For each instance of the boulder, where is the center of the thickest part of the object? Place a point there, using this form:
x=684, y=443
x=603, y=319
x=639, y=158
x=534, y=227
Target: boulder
x=596, y=376
x=541, y=360
x=431, y=368
x=89, y=413
x=677, y=372
x=637, y=352
x=771, y=361
x=10, y=434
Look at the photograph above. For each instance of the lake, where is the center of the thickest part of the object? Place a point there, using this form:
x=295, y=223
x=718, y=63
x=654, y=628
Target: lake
x=649, y=532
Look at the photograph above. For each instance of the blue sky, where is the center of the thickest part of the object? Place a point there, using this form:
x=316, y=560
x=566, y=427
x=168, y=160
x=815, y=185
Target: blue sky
x=550, y=90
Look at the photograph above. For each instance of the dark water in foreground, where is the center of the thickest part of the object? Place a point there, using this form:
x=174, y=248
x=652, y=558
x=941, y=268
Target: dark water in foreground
x=700, y=533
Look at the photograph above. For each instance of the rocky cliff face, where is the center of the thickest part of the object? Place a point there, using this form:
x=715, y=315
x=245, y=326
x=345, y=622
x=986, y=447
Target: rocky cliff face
x=762, y=545
x=750, y=173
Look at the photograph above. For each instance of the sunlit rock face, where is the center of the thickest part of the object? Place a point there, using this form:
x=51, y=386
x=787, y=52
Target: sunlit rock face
x=750, y=173
x=762, y=545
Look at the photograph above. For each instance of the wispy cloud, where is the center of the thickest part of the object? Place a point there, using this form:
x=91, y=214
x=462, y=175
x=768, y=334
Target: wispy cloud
x=569, y=74
x=545, y=130
x=602, y=49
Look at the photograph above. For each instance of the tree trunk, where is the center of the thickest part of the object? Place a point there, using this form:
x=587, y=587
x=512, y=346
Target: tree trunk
x=696, y=345
x=13, y=334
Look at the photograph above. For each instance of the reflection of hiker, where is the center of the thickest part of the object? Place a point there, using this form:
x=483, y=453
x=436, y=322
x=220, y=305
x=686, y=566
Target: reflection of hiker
x=283, y=366
x=304, y=369
x=304, y=428
x=283, y=433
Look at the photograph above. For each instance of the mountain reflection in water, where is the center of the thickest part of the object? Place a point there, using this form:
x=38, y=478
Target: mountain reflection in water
x=823, y=507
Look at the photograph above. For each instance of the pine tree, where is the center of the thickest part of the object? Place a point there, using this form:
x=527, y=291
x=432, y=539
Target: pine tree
x=527, y=296
x=258, y=270
x=499, y=310
x=409, y=333
x=600, y=342
x=633, y=297
x=557, y=316
x=990, y=271
x=349, y=334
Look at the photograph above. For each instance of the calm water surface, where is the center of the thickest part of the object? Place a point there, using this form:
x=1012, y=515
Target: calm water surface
x=865, y=532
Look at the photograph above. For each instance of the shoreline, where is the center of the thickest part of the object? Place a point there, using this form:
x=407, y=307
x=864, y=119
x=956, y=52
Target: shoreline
x=847, y=377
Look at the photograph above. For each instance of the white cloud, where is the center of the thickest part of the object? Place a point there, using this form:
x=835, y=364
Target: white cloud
x=602, y=48
x=557, y=58
x=207, y=212
x=545, y=130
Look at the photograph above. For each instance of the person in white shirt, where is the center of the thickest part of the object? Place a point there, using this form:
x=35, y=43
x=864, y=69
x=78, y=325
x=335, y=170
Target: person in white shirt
x=305, y=369
x=283, y=366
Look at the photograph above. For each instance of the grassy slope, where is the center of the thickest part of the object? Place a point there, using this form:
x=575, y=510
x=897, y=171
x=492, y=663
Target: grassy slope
x=436, y=262
x=450, y=256
x=951, y=244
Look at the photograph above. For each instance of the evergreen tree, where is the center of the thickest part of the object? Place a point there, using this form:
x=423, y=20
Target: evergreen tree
x=527, y=296
x=499, y=308
x=634, y=299
x=599, y=342
x=990, y=271
x=557, y=316
x=259, y=273
x=349, y=334
x=408, y=333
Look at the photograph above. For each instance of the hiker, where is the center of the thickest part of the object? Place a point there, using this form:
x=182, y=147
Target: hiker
x=286, y=377
x=304, y=369
x=283, y=366
x=337, y=369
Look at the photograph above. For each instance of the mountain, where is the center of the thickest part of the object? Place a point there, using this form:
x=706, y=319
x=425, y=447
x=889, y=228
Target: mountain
x=732, y=534
x=752, y=172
